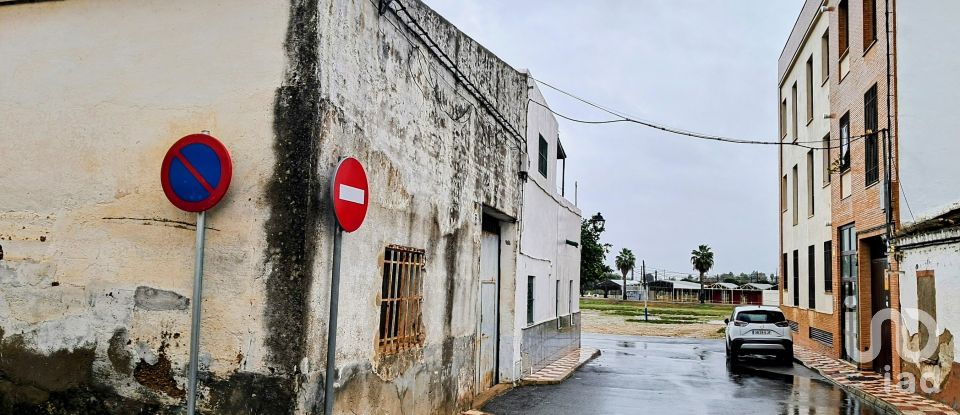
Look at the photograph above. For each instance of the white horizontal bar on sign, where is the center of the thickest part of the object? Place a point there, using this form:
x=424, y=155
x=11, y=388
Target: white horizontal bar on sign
x=352, y=194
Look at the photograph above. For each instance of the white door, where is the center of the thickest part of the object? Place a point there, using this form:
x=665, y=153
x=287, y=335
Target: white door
x=489, y=279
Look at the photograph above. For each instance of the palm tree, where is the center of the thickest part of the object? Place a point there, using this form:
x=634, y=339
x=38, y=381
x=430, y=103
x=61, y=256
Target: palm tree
x=702, y=260
x=625, y=262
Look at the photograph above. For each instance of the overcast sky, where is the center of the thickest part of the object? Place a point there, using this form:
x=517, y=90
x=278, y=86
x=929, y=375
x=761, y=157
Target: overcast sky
x=703, y=65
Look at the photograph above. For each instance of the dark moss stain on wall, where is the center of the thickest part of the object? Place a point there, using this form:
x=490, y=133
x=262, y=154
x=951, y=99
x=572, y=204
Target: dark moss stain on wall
x=246, y=393
x=60, y=383
x=118, y=354
x=158, y=376
x=291, y=230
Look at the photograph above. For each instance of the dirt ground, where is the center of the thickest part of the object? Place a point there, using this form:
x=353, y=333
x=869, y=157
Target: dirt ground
x=594, y=321
x=616, y=317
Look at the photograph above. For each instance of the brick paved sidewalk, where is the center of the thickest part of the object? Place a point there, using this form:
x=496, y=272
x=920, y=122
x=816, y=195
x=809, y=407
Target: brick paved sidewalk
x=561, y=369
x=870, y=386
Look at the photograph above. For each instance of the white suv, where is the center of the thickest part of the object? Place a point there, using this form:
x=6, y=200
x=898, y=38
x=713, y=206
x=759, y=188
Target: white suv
x=758, y=330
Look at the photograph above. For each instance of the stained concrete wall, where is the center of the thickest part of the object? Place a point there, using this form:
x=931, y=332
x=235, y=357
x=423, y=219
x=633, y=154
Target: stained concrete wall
x=98, y=266
x=931, y=255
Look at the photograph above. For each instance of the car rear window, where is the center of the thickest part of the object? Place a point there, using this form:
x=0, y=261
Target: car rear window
x=760, y=316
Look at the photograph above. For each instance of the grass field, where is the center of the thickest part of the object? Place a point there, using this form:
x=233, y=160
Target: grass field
x=661, y=313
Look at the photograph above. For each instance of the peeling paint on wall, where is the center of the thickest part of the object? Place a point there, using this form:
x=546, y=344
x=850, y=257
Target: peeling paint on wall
x=153, y=299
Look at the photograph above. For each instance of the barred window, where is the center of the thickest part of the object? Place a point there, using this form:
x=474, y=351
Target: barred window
x=401, y=297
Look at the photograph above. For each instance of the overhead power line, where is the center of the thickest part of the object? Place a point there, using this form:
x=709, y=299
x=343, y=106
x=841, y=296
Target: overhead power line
x=623, y=117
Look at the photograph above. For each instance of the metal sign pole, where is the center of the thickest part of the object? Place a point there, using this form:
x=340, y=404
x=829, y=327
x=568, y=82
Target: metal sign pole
x=332, y=324
x=195, y=321
x=646, y=289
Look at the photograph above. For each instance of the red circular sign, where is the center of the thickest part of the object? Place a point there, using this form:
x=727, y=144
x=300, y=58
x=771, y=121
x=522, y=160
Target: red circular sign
x=196, y=172
x=350, y=194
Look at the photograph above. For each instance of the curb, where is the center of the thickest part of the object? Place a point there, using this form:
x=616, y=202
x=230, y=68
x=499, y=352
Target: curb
x=887, y=407
x=566, y=376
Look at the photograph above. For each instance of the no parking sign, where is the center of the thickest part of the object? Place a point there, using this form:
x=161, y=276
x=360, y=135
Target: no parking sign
x=195, y=175
x=196, y=172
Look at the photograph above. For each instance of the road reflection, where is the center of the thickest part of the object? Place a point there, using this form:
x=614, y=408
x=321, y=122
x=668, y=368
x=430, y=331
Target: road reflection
x=806, y=393
x=659, y=375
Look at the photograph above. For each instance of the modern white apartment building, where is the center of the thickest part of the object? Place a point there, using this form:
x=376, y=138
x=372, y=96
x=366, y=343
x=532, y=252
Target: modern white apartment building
x=805, y=187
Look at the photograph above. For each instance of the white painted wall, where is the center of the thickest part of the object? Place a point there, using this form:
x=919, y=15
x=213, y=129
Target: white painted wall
x=548, y=221
x=927, y=89
x=810, y=230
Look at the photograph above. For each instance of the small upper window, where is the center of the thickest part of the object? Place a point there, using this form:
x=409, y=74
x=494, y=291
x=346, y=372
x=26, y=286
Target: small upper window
x=843, y=27
x=809, y=91
x=783, y=118
x=544, y=156
x=869, y=23
x=825, y=57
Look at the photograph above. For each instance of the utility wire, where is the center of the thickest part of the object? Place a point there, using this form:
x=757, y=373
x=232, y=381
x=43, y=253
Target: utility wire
x=623, y=117
x=904, y=193
x=705, y=136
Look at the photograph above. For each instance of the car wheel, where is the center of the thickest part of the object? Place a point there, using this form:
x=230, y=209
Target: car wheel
x=787, y=356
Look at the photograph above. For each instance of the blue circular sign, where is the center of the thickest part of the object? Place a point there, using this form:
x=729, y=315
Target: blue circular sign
x=196, y=172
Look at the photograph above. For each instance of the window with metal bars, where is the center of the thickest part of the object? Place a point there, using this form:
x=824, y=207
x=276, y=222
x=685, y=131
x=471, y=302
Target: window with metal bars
x=401, y=326
x=822, y=336
x=871, y=152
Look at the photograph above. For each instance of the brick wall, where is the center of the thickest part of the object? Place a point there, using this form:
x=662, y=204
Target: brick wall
x=806, y=319
x=862, y=208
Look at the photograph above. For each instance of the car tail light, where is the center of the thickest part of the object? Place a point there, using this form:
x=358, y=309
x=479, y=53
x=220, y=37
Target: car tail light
x=740, y=323
x=782, y=324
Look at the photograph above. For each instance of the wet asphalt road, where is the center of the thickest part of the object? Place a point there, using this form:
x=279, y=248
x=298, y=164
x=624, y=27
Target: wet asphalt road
x=651, y=375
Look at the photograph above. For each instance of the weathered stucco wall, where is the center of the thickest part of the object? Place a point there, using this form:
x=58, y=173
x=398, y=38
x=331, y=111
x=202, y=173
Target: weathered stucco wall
x=97, y=264
x=933, y=257
x=436, y=158
x=95, y=259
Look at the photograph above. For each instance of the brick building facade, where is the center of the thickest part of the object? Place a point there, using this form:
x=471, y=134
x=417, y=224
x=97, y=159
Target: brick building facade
x=859, y=280
x=859, y=104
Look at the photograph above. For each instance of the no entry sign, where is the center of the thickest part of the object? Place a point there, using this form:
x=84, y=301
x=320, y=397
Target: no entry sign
x=196, y=172
x=350, y=194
